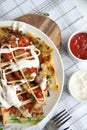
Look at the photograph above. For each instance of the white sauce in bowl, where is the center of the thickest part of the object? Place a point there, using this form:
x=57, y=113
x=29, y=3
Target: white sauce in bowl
x=78, y=85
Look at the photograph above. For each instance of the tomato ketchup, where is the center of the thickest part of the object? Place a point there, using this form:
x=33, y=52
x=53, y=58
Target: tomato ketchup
x=78, y=45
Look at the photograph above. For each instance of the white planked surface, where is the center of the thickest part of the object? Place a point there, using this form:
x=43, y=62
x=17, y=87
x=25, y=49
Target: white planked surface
x=82, y=5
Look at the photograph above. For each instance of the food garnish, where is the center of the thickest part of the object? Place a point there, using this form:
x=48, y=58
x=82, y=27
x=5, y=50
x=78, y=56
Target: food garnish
x=26, y=76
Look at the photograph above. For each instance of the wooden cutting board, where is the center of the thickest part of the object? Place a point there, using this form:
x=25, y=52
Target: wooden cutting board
x=45, y=24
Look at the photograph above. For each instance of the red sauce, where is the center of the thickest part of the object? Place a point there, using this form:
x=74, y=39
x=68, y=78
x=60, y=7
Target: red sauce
x=78, y=45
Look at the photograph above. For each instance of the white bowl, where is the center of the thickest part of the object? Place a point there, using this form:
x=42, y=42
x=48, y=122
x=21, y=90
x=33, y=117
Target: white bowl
x=58, y=66
x=69, y=49
x=78, y=85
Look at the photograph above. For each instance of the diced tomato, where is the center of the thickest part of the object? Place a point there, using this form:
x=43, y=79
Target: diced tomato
x=47, y=86
x=7, y=56
x=20, y=98
x=13, y=109
x=38, y=93
x=30, y=71
x=42, y=58
x=24, y=41
x=30, y=38
x=28, y=106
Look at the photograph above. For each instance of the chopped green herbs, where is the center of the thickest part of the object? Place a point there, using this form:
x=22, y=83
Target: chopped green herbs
x=49, y=79
x=46, y=14
x=1, y=128
x=32, y=120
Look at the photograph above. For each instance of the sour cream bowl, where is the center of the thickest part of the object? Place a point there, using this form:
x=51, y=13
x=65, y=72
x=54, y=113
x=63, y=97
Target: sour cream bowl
x=78, y=85
x=77, y=46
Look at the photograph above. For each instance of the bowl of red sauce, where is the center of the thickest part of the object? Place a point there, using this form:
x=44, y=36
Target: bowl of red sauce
x=77, y=46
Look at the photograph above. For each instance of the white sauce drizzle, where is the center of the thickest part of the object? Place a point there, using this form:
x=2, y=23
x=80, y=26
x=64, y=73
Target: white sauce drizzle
x=8, y=95
x=43, y=84
x=8, y=50
x=15, y=25
x=17, y=41
x=33, y=74
x=21, y=27
x=21, y=64
x=3, y=102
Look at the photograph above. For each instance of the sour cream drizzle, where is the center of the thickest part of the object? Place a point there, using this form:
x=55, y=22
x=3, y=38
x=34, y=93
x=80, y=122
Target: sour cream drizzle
x=8, y=95
x=21, y=26
x=9, y=50
x=43, y=84
x=21, y=64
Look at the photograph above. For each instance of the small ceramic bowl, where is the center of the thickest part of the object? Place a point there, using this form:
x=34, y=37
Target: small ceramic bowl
x=77, y=46
x=78, y=85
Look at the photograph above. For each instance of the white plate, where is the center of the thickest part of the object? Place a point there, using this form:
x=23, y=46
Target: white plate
x=57, y=62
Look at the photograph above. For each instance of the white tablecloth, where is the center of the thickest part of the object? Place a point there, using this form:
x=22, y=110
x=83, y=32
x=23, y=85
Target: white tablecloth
x=66, y=14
